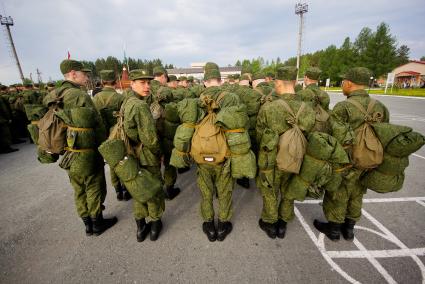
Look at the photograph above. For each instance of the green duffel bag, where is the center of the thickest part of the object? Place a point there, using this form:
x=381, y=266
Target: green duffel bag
x=35, y=112
x=267, y=159
x=183, y=138
x=320, y=145
x=179, y=159
x=144, y=186
x=393, y=165
x=85, y=163
x=127, y=169
x=383, y=183
x=243, y=165
x=33, y=130
x=188, y=110
x=83, y=117
x=386, y=132
x=171, y=112
x=233, y=117
x=239, y=142
x=112, y=151
x=170, y=129
x=46, y=158
x=405, y=144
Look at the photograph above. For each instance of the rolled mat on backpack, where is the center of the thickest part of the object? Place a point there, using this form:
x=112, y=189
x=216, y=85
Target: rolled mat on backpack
x=233, y=117
x=243, y=165
x=239, y=142
x=386, y=132
x=405, y=144
x=112, y=151
x=188, y=110
x=383, y=183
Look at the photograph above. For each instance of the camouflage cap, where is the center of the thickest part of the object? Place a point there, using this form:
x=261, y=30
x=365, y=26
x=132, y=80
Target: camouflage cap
x=86, y=70
x=159, y=70
x=286, y=73
x=182, y=78
x=139, y=74
x=190, y=79
x=108, y=75
x=258, y=75
x=211, y=65
x=212, y=73
x=358, y=75
x=313, y=73
x=245, y=77
x=68, y=65
x=172, y=78
x=269, y=74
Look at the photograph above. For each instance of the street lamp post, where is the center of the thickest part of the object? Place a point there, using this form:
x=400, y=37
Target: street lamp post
x=300, y=9
x=370, y=83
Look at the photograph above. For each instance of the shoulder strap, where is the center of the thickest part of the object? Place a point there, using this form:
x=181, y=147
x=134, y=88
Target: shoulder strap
x=358, y=106
x=220, y=97
x=287, y=107
x=300, y=110
x=372, y=103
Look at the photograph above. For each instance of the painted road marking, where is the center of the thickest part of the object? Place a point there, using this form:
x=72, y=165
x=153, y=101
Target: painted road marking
x=362, y=252
x=419, y=156
x=386, y=96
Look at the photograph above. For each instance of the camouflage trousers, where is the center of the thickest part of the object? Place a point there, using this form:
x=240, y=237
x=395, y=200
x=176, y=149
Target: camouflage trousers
x=170, y=172
x=154, y=207
x=5, y=136
x=212, y=178
x=273, y=184
x=346, y=202
x=89, y=193
x=114, y=179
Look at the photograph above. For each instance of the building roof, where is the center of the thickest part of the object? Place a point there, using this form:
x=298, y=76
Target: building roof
x=407, y=73
x=201, y=70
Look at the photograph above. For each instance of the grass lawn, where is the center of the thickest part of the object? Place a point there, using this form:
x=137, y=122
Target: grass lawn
x=398, y=92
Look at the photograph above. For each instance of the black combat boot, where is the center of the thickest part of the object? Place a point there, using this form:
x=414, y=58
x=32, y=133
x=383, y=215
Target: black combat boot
x=347, y=229
x=142, y=229
x=330, y=229
x=209, y=230
x=171, y=192
x=100, y=224
x=7, y=150
x=126, y=195
x=281, y=229
x=156, y=227
x=89, y=226
x=269, y=228
x=120, y=192
x=223, y=229
x=244, y=182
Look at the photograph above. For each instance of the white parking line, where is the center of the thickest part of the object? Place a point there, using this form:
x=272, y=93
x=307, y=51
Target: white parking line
x=419, y=156
x=370, y=200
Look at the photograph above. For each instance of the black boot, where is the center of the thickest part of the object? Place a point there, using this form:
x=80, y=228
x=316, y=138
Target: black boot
x=8, y=150
x=223, y=229
x=331, y=229
x=269, y=228
x=156, y=227
x=120, y=192
x=347, y=229
x=183, y=170
x=126, y=195
x=142, y=230
x=281, y=229
x=100, y=224
x=89, y=226
x=18, y=141
x=209, y=230
x=171, y=192
x=244, y=182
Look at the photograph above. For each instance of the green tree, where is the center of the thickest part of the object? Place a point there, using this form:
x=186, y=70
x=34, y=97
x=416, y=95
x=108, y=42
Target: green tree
x=403, y=55
x=423, y=58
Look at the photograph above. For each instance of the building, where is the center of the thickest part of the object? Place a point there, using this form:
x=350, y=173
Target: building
x=197, y=71
x=411, y=74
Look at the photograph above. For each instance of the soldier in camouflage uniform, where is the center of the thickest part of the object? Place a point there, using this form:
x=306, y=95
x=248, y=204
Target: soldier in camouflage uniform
x=108, y=101
x=140, y=128
x=5, y=123
x=343, y=207
x=273, y=184
x=89, y=188
x=216, y=178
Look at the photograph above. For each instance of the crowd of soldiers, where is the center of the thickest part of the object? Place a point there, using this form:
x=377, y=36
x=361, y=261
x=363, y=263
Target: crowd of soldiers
x=142, y=126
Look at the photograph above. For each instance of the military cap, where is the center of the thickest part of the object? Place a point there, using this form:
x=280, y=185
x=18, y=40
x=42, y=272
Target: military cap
x=50, y=84
x=139, y=74
x=211, y=65
x=230, y=77
x=159, y=70
x=245, y=76
x=172, y=78
x=212, y=73
x=68, y=64
x=286, y=73
x=313, y=73
x=182, y=78
x=358, y=75
x=86, y=70
x=190, y=79
x=258, y=75
x=107, y=75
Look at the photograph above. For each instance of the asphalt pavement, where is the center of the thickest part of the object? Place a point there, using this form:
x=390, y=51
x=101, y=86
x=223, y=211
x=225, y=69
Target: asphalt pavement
x=42, y=239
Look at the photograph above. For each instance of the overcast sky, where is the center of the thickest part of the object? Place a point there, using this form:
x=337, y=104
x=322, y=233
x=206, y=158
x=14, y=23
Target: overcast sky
x=185, y=31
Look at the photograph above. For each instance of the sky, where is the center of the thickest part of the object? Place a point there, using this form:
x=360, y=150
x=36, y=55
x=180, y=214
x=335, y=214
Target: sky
x=185, y=31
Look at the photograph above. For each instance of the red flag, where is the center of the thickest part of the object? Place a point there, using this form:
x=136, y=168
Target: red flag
x=69, y=55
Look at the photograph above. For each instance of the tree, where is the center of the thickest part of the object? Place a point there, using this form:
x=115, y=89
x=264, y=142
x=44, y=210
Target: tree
x=423, y=58
x=403, y=55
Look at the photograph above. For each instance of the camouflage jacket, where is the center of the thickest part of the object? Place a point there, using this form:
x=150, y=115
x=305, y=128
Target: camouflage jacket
x=313, y=95
x=106, y=102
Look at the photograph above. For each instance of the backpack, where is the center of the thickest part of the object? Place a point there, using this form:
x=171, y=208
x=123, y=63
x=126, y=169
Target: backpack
x=292, y=143
x=52, y=129
x=367, y=151
x=209, y=144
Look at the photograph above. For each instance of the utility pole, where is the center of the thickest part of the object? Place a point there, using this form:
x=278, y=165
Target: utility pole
x=8, y=21
x=300, y=9
x=39, y=76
